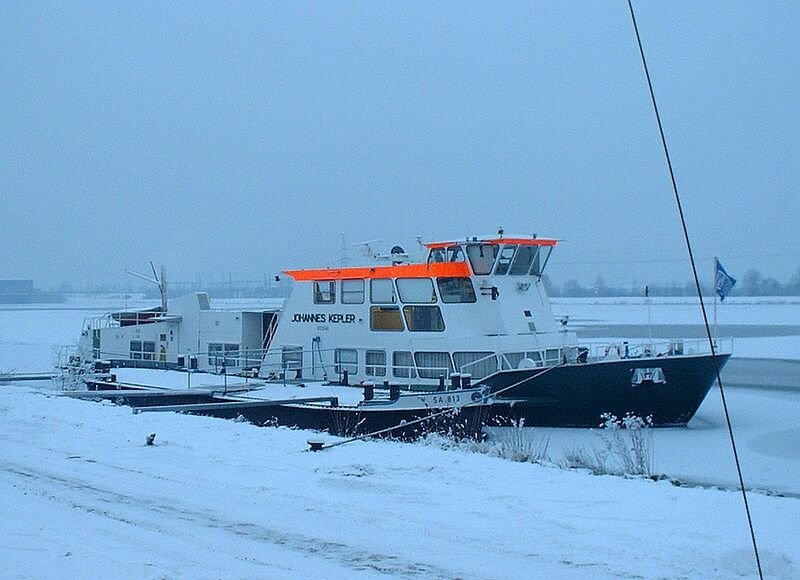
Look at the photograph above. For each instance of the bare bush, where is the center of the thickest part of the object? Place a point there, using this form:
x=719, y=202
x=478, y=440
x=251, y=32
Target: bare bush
x=627, y=448
x=515, y=444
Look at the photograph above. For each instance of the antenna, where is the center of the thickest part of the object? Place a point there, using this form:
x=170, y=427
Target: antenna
x=343, y=255
x=161, y=283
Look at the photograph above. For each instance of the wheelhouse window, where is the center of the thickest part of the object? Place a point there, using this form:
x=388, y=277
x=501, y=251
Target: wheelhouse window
x=403, y=365
x=345, y=359
x=431, y=365
x=481, y=258
x=523, y=260
x=416, y=290
x=385, y=318
x=352, y=291
x=375, y=361
x=437, y=255
x=423, y=318
x=382, y=291
x=324, y=292
x=449, y=254
x=456, y=290
x=505, y=259
x=540, y=261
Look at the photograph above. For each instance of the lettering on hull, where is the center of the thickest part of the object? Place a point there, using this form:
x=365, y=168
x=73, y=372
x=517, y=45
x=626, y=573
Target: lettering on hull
x=320, y=318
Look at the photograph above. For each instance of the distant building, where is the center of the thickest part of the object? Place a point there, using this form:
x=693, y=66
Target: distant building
x=22, y=292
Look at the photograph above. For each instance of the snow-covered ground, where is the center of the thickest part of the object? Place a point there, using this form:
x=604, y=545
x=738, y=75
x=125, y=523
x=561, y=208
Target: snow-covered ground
x=85, y=497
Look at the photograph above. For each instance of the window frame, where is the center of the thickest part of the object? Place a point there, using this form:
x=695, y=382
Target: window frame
x=385, y=308
x=319, y=294
x=352, y=296
x=409, y=311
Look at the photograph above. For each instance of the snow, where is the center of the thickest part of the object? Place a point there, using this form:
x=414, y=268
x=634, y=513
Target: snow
x=216, y=498
x=85, y=496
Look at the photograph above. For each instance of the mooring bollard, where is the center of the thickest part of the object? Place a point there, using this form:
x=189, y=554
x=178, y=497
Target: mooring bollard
x=369, y=391
x=315, y=444
x=394, y=392
x=455, y=381
x=466, y=380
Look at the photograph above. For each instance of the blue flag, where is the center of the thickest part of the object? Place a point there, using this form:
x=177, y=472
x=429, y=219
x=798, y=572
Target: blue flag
x=723, y=282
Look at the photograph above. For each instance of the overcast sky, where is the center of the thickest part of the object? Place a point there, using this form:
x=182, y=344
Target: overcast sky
x=238, y=138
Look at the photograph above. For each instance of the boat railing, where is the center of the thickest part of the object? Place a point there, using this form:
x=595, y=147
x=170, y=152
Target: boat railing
x=643, y=348
x=132, y=318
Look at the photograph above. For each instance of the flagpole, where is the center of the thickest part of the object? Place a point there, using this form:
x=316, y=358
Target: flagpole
x=714, y=291
x=649, y=320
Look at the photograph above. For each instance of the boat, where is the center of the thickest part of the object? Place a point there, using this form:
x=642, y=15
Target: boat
x=473, y=312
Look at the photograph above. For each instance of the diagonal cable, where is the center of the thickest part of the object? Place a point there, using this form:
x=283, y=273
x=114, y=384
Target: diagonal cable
x=699, y=293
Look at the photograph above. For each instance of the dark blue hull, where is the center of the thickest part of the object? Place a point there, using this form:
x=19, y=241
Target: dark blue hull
x=576, y=395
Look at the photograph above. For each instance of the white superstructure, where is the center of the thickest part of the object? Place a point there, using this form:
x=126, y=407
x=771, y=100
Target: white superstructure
x=474, y=306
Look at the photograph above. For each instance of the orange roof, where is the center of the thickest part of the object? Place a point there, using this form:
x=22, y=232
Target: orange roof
x=496, y=242
x=434, y=269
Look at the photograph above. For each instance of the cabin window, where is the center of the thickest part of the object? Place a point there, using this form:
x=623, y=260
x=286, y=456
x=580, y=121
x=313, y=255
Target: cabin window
x=324, y=292
x=504, y=261
x=385, y=318
x=376, y=363
x=231, y=355
x=535, y=357
x=478, y=364
x=345, y=359
x=423, y=318
x=215, y=355
x=416, y=290
x=481, y=257
x=352, y=291
x=433, y=364
x=143, y=350
x=292, y=357
x=382, y=291
x=454, y=290
x=220, y=355
x=523, y=260
x=403, y=365
x=511, y=360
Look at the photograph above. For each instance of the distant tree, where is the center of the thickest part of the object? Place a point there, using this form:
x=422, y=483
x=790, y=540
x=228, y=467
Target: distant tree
x=793, y=287
x=751, y=283
x=549, y=287
x=573, y=288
